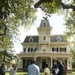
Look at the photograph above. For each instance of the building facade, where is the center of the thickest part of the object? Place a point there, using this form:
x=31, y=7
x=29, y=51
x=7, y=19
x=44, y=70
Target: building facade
x=44, y=47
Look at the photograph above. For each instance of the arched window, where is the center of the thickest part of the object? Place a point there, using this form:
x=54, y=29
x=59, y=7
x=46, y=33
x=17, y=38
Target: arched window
x=44, y=24
x=44, y=37
x=30, y=39
x=58, y=39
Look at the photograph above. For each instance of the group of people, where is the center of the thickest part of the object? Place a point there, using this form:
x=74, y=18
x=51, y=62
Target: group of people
x=57, y=69
x=12, y=70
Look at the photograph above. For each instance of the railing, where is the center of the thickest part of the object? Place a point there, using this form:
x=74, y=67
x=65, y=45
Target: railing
x=47, y=52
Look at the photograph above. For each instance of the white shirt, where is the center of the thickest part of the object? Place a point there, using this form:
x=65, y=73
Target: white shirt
x=12, y=71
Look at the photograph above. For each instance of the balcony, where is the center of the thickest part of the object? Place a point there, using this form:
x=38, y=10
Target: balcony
x=59, y=52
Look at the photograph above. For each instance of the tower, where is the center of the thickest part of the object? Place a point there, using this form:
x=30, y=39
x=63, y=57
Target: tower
x=44, y=31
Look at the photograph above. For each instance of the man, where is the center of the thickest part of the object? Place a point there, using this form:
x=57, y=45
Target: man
x=33, y=69
x=60, y=65
x=54, y=68
x=2, y=69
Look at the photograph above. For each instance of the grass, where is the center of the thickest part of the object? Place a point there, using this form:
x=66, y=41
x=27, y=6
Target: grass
x=25, y=73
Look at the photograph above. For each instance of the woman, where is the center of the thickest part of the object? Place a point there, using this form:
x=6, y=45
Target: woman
x=13, y=70
x=46, y=70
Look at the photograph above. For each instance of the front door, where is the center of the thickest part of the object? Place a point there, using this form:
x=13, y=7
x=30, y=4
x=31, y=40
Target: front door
x=43, y=63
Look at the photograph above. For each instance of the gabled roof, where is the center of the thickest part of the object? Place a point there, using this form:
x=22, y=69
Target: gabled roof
x=53, y=38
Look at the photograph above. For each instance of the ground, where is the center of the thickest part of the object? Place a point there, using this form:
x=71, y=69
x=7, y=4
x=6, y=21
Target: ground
x=25, y=73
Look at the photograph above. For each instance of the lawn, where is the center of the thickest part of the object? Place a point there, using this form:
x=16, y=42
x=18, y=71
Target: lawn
x=25, y=73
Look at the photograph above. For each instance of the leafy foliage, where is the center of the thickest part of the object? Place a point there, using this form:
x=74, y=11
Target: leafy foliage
x=13, y=14
x=51, y=7
x=70, y=26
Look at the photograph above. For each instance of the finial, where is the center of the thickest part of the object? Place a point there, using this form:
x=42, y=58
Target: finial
x=45, y=18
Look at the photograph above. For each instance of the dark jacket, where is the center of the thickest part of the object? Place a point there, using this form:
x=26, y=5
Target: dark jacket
x=60, y=68
x=2, y=70
x=53, y=69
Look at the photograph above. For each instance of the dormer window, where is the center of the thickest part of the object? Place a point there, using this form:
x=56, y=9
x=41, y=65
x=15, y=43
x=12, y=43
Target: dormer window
x=30, y=39
x=58, y=39
x=44, y=24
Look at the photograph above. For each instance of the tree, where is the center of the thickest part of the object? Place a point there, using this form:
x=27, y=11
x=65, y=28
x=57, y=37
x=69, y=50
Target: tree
x=70, y=34
x=70, y=26
x=55, y=3
x=72, y=50
x=13, y=14
x=16, y=13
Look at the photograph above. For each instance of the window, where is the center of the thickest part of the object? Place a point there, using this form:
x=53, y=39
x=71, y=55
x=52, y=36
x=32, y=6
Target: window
x=44, y=24
x=62, y=49
x=43, y=49
x=24, y=49
x=28, y=49
x=30, y=39
x=58, y=39
x=44, y=37
x=35, y=49
x=54, y=49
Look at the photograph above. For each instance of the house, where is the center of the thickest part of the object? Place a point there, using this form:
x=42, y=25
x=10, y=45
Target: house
x=44, y=47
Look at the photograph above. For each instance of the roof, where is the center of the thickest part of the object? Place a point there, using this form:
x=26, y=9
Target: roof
x=44, y=23
x=53, y=38
x=35, y=38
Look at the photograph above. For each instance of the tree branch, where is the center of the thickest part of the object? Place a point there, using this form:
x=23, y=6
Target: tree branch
x=40, y=2
x=5, y=28
x=63, y=5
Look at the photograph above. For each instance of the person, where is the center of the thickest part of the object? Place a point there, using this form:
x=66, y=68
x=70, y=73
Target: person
x=2, y=69
x=13, y=70
x=60, y=66
x=55, y=68
x=65, y=68
x=33, y=69
x=46, y=70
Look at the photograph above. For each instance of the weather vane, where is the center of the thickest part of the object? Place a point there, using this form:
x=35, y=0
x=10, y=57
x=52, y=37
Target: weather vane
x=45, y=17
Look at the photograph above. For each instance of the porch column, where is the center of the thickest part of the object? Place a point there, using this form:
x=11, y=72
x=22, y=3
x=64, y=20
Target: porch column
x=20, y=63
x=71, y=63
x=68, y=63
x=58, y=49
x=35, y=58
x=51, y=62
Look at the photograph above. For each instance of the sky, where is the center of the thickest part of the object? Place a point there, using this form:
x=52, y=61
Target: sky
x=56, y=22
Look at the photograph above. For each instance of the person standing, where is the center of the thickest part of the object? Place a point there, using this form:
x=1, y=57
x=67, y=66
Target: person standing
x=46, y=70
x=13, y=70
x=33, y=69
x=65, y=68
x=2, y=69
x=60, y=66
x=55, y=68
